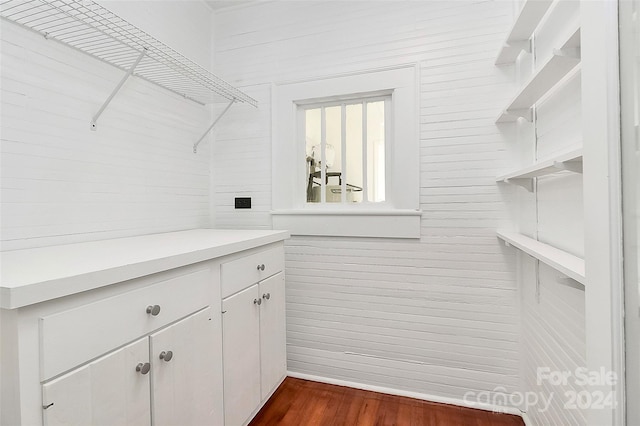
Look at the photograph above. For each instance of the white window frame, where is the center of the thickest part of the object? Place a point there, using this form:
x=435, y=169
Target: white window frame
x=399, y=215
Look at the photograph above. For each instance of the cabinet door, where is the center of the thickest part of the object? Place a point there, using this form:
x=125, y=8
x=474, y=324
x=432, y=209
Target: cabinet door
x=273, y=341
x=241, y=355
x=108, y=390
x=183, y=378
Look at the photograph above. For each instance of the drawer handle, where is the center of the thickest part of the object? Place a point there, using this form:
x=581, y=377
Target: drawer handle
x=266, y=296
x=153, y=310
x=257, y=301
x=261, y=267
x=166, y=356
x=143, y=368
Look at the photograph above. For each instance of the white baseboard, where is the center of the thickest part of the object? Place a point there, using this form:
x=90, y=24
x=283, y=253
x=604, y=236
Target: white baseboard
x=416, y=395
x=526, y=419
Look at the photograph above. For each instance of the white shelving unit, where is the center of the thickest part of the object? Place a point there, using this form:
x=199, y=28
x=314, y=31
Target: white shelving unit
x=563, y=60
x=566, y=263
x=519, y=37
x=96, y=31
x=570, y=161
x=547, y=76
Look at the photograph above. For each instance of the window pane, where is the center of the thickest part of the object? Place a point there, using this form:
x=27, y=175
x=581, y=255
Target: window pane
x=333, y=153
x=353, y=174
x=312, y=138
x=363, y=169
x=375, y=152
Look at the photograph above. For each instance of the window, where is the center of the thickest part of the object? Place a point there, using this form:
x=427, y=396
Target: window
x=345, y=149
x=346, y=155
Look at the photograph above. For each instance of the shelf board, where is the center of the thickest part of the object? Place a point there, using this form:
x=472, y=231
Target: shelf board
x=544, y=79
x=571, y=161
x=570, y=265
x=525, y=24
x=96, y=31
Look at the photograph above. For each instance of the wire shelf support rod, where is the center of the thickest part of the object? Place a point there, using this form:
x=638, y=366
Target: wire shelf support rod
x=195, y=145
x=94, y=120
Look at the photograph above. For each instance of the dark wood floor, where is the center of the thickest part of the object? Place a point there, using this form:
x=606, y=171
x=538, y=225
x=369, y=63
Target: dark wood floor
x=305, y=403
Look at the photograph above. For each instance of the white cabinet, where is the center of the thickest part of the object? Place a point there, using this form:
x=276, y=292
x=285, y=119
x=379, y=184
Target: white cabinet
x=108, y=390
x=73, y=333
x=253, y=330
x=92, y=374
x=241, y=355
x=166, y=374
x=69, y=337
x=254, y=347
x=273, y=340
x=182, y=376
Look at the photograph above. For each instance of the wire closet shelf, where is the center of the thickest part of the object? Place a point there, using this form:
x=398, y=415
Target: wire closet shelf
x=96, y=31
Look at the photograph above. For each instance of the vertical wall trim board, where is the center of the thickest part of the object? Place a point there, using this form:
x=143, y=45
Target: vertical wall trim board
x=603, y=298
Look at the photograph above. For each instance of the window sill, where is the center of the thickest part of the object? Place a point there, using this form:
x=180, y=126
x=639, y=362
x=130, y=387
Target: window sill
x=349, y=223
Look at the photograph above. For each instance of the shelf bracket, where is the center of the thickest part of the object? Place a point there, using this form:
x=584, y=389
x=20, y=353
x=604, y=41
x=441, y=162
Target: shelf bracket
x=572, y=166
x=526, y=183
x=519, y=45
x=568, y=52
x=570, y=282
x=94, y=121
x=526, y=113
x=195, y=145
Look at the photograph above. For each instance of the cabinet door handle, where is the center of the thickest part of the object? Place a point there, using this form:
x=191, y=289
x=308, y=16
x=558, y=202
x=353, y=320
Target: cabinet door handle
x=266, y=296
x=143, y=368
x=257, y=301
x=153, y=310
x=261, y=267
x=166, y=356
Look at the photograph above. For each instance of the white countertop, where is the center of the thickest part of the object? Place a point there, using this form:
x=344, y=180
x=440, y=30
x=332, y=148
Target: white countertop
x=36, y=275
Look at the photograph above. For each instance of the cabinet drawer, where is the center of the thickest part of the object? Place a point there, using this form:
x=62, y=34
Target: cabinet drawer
x=72, y=337
x=240, y=273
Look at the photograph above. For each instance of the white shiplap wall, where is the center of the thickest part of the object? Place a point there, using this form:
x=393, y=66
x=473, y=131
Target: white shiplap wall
x=135, y=175
x=553, y=317
x=437, y=315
